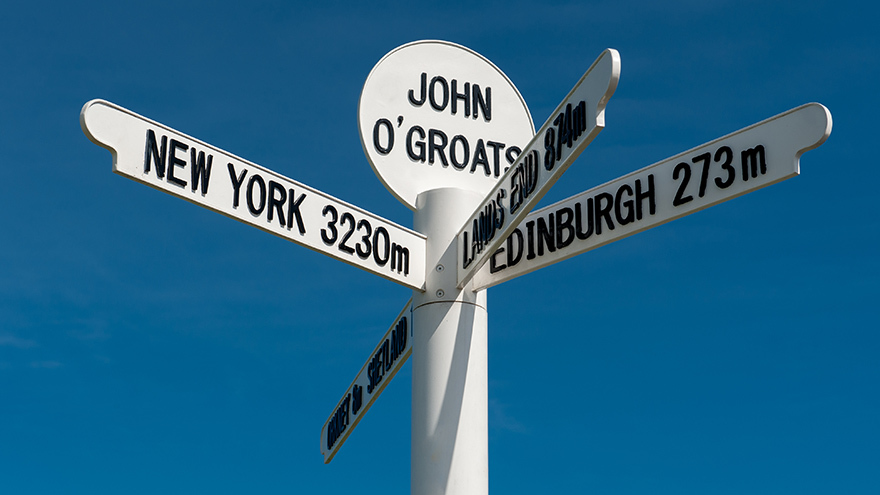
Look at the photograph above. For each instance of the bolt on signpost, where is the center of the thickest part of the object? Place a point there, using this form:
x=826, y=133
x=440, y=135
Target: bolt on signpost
x=450, y=136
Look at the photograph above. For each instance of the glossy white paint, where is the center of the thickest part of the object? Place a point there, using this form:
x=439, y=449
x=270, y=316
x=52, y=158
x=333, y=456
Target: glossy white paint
x=450, y=387
x=446, y=321
x=783, y=138
x=385, y=365
x=399, y=118
x=594, y=89
x=305, y=216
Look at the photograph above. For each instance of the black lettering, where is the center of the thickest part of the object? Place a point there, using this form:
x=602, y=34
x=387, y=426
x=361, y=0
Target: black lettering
x=648, y=194
x=514, y=254
x=477, y=242
x=176, y=162
x=516, y=188
x=511, y=154
x=294, y=213
x=546, y=235
x=403, y=328
x=200, y=170
x=530, y=237
x=564, y=228
x=465, y=97
x=531, y=173
x=482, y=103
x=236, y=183
x=419, y=145
x=484, y=226
x=578, y=220
x=467, y=152
x=465, y=259
x=389, y=129
x=276, y=204
x=439, y=147
x=549, y=149
x=400, y=258
x=357, y=398
x=704, y=174
x=496, y=156
x=393, y=354
x=752, y=159
x=153, y=153
x=627, y=205
x=330, y=238
x=563, y=127
x=346, y=218
x=375, y=370
x=480, y=159
x=331, y=434
x=256, y=210
x=579, y=119
x=604, y=211
x=494, y=267
x=432, y=93
x=382, y=259
x=421, y=101
x=731, y=171
x=523, y=181
x=680, y=198
x=368, y=246
x=499, y=212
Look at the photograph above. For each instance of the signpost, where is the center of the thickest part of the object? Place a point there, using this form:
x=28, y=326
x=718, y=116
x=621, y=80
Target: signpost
x=382, y=364
x=182, y=166
x=442, y=128
x=568, y=131
x=434, y=114
x=744, y=161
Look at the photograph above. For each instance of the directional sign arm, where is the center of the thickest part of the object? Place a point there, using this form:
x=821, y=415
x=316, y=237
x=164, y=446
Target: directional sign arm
x=725, y=168
x=568, y=131
x=381, y=366
x=172, y=162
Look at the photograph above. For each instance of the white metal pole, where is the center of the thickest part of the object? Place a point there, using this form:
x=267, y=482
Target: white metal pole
x=450, y=423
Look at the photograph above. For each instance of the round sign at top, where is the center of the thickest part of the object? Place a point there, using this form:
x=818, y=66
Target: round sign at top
x=434, y=114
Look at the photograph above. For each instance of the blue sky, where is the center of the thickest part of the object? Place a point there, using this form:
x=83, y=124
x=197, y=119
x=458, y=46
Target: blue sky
x=151, y=346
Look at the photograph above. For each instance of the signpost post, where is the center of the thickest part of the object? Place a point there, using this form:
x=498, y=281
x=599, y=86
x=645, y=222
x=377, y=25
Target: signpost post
x=450, y=136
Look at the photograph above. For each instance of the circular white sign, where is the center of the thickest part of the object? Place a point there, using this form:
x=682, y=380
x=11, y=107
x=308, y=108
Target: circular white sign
x=434, y=114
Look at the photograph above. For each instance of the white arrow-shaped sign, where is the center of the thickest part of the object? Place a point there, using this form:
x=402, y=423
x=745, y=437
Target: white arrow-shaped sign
x=570, y=128
x=744, y=161
x=381, y=366
x=160, y=157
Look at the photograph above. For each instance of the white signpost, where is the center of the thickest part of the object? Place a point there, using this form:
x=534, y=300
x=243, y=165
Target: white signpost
x=383, y=363
x=744, y=161
x=434, y=114
x=568, y=131
x=160, y=157
x=442, y=128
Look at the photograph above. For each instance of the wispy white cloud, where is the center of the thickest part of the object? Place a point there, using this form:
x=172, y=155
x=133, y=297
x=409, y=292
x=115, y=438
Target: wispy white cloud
x=13, y=341
x=91, y=331
x=46, y=364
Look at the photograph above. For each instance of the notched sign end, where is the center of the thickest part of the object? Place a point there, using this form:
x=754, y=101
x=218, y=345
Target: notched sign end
x=820, y=120
x=91, y=123
x=805, y=128
x=612, y=56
